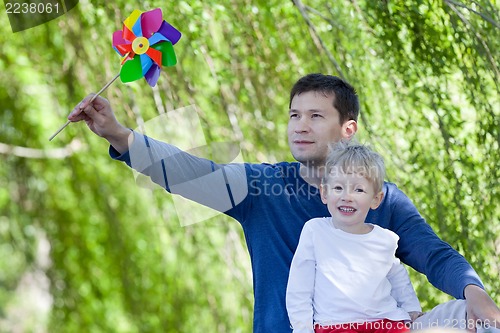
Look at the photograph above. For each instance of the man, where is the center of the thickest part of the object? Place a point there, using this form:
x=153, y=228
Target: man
x=323, y=109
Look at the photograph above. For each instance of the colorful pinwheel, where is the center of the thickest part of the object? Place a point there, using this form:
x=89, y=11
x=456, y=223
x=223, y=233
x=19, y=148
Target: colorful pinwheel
x=145, y=43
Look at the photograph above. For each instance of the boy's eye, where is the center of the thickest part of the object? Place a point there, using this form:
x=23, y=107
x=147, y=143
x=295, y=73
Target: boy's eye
x=359, y=190
x=294, y=115
x=337, y=188
x=316, y=115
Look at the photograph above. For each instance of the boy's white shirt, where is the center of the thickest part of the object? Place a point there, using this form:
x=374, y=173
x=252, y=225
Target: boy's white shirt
x=337, y=277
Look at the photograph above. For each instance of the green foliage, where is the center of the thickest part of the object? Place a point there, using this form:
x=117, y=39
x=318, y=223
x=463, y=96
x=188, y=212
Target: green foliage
x=120, y=261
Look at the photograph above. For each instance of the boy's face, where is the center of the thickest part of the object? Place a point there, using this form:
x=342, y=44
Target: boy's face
x=349, y=197
x=313, y=125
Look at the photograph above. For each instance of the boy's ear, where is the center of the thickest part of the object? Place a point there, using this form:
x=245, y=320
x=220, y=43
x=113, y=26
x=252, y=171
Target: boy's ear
x=377, y=199
x=323, y=190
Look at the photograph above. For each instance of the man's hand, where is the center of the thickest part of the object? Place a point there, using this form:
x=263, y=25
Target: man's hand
x=480, y=309
x=101, y=120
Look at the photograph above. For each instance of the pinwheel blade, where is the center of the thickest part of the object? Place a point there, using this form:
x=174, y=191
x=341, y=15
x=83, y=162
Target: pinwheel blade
x=151, y=22
x=156, y=38
x=152, y=75
x=131, y=70
x=130, y=21
x=128, y=35
x=155, y=55
x=137, y=29
x=118, y=38
x=168, y=57
x=146, y=63
x=170, y=32
x=123, y=49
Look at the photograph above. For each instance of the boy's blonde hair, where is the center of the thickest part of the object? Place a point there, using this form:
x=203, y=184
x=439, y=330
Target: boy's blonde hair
x=349, y=157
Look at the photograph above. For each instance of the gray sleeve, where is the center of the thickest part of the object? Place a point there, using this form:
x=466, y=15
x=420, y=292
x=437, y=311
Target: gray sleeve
x=218, y=186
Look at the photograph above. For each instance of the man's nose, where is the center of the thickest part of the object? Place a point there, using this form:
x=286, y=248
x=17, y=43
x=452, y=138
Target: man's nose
x=302, y=125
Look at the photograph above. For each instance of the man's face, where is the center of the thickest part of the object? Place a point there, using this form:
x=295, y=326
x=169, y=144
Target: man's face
x=312, y=126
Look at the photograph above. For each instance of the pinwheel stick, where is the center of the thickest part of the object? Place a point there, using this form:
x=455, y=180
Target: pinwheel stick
x=93, y=98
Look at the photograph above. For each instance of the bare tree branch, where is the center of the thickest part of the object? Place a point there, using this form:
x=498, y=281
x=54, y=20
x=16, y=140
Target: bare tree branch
x=56, y=153
x=318, y=13
x=468, y=24
x=486, y=18
x=317, y=39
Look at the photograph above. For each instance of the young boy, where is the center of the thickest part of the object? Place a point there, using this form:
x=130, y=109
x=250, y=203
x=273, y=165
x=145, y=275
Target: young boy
x=344, y=275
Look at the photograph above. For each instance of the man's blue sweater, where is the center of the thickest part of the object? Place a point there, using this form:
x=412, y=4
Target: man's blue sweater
x=272, y=210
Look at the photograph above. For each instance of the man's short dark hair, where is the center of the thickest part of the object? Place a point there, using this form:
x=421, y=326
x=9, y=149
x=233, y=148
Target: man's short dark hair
x=346, y=99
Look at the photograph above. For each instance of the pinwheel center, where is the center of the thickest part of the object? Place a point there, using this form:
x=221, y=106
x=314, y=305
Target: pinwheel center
x=140, y=45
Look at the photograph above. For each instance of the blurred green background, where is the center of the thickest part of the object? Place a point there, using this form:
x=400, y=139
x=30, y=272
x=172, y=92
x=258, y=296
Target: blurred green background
x=84, y=249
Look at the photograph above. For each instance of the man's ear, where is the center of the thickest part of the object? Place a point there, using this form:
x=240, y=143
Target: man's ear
x=323, y=190
x=349, y=128
x=377, y=199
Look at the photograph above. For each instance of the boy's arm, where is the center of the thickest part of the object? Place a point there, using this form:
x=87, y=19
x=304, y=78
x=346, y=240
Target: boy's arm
x=300, y=289
x=402, y=289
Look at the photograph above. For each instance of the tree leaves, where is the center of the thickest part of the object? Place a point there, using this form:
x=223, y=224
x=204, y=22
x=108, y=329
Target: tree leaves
x=427, y=76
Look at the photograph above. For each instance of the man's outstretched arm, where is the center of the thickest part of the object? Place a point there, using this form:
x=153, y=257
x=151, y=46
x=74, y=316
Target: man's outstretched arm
x=218, y=186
